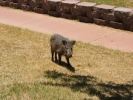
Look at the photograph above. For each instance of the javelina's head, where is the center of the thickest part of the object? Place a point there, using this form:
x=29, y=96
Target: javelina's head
x=68, y=48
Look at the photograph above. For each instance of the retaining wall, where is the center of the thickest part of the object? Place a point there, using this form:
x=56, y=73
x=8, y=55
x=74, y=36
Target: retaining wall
x=107, y=15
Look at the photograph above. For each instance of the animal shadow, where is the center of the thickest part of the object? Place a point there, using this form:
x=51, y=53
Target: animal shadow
x=64, y=64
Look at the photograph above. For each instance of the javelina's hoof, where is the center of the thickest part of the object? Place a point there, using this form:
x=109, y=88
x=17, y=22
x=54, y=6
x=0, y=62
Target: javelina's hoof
x=56, y=60
x=59, y=63
x=69, y=65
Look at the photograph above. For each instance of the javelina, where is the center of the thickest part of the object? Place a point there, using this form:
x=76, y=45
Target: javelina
x=61, y=46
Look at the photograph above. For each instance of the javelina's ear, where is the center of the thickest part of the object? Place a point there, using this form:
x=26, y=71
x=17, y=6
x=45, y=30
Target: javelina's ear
x=73, y=42
x=64, y=42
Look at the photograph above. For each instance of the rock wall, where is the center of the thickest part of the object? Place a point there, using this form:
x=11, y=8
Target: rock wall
x=88, y=12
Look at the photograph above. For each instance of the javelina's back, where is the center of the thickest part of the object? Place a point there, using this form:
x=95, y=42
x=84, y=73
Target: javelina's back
x=56, y=43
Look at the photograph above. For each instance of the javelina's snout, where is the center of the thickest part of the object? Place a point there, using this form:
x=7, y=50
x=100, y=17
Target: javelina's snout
x=69, y=56
x=61, y=46
x=68, y=53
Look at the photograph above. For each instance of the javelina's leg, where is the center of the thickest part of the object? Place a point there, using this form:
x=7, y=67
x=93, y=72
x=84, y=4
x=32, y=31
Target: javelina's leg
x=52, y=52
x=59, y=55
x=55, y=56
x=67, y=60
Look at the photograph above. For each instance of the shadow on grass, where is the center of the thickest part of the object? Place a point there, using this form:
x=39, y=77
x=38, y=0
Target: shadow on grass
x=69, y=67
x=91, y=86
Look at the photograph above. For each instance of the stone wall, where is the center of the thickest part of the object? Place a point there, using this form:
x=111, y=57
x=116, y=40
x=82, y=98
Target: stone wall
x=107, y=15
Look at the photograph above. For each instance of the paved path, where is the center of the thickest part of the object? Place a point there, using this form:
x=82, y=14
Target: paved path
x=85, y=32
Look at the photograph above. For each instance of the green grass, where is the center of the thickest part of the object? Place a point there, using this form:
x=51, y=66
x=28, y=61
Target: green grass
x=27, y=72
x=117, y=3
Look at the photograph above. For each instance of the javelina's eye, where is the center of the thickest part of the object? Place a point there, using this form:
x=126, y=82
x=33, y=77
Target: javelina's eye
x=66, y=47
x=71, y=49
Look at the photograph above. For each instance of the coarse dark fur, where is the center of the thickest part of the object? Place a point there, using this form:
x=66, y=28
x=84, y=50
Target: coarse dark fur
x=61, y=46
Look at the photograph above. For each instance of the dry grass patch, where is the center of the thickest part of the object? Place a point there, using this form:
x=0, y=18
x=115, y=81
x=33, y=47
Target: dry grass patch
x=117, y=3
x=27, y=72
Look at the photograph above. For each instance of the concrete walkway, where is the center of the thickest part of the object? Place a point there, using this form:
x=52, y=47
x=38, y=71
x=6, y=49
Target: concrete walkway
x=85, y=32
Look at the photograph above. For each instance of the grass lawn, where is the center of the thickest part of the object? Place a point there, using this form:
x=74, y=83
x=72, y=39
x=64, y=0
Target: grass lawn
x=117, y=3
x=27, y=72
